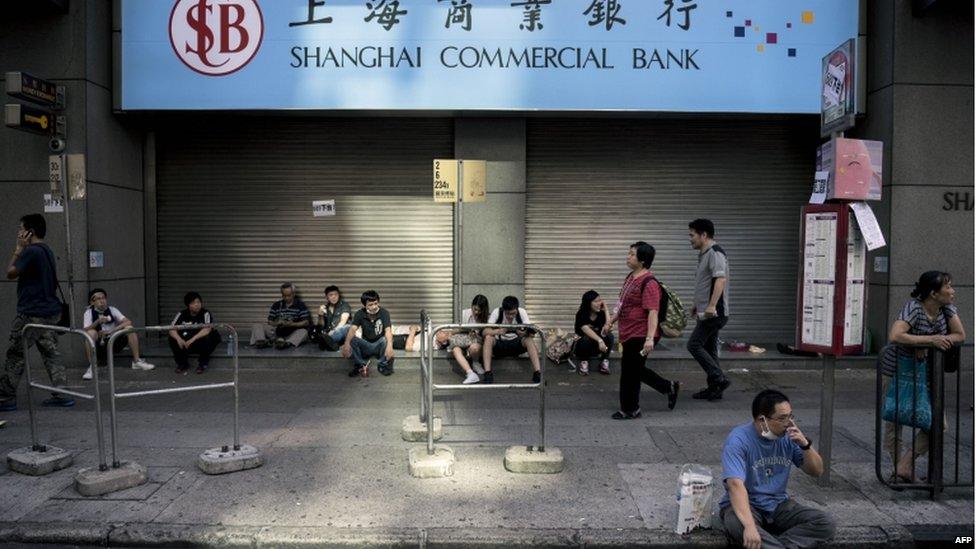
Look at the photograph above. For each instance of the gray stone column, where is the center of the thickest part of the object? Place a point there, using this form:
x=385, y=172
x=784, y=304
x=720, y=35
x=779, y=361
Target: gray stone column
x=494, y=230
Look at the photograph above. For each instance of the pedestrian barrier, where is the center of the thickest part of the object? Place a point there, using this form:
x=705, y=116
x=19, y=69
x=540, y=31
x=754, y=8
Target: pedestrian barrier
x=222, y=459
x=415, y=427
x=923, y=377
x=438, y=461
x=41, y=459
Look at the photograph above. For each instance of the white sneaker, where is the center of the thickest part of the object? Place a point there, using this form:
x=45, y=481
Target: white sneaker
x=477, y=368
x=471, y=378
x=88, y=374
x=141, y=364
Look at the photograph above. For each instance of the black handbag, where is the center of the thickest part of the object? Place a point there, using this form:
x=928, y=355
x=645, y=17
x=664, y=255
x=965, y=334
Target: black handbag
x=64, y=320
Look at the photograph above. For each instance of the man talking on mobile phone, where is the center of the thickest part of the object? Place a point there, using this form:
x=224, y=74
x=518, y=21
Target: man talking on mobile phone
x=756, y=463
x=33, y=266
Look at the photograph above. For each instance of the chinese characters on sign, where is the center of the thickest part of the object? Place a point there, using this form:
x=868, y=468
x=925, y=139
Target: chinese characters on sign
x=445, y=180
x=604, y=11
x=388, y=13
x=684, y=10
x=323, y=208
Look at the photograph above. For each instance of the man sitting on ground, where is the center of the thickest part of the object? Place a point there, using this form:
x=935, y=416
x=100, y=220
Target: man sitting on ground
x=101, y=320
x=332, y=322
x=288, y=322
x=504, y=342
x=756, y=459
x=376, y=340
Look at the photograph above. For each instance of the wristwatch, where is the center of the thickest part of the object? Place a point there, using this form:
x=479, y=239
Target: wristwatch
x=808, y=445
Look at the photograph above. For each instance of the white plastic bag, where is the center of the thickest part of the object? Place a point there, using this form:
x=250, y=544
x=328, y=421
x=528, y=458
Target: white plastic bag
x=694, y=498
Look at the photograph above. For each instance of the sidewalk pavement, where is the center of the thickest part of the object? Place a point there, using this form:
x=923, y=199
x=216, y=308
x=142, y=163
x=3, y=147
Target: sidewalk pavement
x=336, y=466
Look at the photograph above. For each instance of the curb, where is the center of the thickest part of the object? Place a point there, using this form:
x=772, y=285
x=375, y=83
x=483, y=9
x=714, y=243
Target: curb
x=180, y=535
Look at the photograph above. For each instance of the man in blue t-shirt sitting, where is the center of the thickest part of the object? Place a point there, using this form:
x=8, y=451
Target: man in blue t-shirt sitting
x=756, y=460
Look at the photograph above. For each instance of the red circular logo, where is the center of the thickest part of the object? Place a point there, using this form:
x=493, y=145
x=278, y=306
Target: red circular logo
x=216, y=37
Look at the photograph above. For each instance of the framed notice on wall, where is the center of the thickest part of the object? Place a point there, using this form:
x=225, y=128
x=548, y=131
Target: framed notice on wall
x=832, y=293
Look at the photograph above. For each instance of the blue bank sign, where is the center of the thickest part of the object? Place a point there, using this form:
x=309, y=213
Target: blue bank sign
x=515, y=55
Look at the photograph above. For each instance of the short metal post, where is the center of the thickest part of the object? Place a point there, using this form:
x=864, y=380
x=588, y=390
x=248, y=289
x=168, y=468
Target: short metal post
x=30, y=403
x=938, y=413
x=237, y=390
x=430, y=394
x=93, y=364
x=827, y=415
x=113, y=424
x=542, y=394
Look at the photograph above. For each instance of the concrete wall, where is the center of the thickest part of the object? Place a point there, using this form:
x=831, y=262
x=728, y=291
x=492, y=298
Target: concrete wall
x=920, y=103
x=74, y=50
x=494, y=231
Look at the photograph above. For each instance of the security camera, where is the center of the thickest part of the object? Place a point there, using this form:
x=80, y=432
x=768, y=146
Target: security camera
x=56, y=145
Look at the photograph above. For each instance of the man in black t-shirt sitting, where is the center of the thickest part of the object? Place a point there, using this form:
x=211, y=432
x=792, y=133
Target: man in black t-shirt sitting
x=186, y=341
x=376, y=340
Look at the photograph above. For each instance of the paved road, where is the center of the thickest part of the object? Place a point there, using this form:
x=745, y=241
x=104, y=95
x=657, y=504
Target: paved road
x=336, y=467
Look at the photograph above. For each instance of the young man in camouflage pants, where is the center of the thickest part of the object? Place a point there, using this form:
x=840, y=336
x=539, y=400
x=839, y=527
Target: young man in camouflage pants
x=33, y=267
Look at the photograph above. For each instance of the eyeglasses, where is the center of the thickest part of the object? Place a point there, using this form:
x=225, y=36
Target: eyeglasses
x=784, y=419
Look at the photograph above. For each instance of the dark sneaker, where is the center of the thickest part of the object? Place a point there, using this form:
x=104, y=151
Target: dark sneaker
x=262, y=344
x=201, y=368
x=388, y=369
x=723, y=385
x=489, y=378
x=708, y=393
x=673, y=395
x=536, y=377
x=356, y=370
x=59, y=402
x=181, y=370
x=280, y=344
x=624, y=415
x=8, y=405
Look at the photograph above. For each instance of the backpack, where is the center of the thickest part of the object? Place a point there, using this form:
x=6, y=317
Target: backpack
x=559, y=345
x=671, y=317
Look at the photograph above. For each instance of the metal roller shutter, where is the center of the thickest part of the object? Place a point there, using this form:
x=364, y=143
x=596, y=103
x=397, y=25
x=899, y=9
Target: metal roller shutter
x=596, y=186
x=235, y=217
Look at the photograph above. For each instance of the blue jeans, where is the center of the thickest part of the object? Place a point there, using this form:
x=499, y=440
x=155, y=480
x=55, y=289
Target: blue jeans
x=340, y=334
x=363, y=350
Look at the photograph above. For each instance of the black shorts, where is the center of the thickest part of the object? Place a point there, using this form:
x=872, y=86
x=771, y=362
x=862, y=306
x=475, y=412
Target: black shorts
x=101, y=348
x=508, y=348
x=400, y=342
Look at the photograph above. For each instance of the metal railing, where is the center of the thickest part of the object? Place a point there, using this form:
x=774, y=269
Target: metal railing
x=201, y=387
x=428, y=386
x=92, y=363
x=934, y=382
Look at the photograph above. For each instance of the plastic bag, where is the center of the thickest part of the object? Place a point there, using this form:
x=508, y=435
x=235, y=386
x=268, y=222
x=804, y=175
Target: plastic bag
x=695, y=488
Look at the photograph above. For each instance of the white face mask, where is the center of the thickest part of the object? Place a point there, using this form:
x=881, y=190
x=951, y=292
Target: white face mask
x=767, y=433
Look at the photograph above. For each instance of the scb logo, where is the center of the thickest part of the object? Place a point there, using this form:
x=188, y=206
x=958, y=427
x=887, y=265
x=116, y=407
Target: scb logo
x=216, y=37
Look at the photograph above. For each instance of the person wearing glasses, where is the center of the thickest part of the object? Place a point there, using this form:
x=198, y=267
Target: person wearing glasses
x=756, y=461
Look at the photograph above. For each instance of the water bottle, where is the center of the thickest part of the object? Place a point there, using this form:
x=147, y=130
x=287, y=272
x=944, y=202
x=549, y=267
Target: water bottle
x=230, y=345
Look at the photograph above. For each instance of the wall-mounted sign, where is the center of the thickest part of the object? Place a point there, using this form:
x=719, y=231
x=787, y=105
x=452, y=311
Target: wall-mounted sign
x=53, y=203
x=839, y=88
x=445, y=180
x=323, y=208
x=30, y=88
x=96, y=260
x=77, y=177
x=474, y=180
x=55, y=172
x=517, y=55
x=29, y=119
